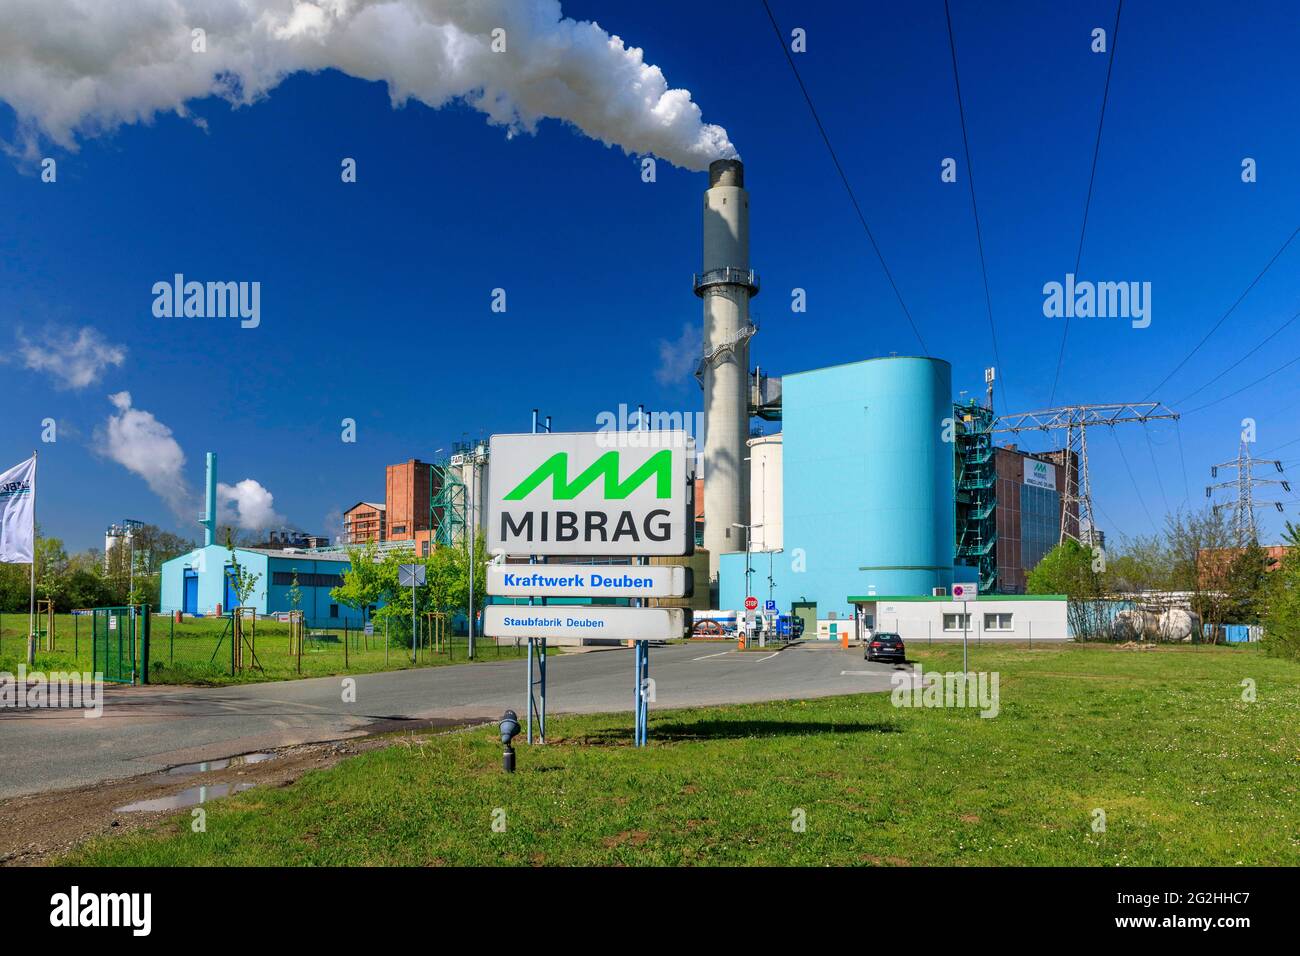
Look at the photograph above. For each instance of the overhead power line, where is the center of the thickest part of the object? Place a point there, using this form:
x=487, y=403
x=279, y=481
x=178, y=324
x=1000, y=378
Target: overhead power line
x=1075, y=420
x=1092, y=179
x=1223, y=318
x=1280, y=368
x=780, y=39
x=975, y=209
x=1266, y=340
x=1137, y=491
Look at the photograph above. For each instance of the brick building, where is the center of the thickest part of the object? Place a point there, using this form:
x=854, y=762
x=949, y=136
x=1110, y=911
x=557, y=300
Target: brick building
x=364, y=522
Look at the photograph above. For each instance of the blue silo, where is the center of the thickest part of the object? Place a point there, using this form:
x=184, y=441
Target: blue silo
x=868, y=487
x=908, y=513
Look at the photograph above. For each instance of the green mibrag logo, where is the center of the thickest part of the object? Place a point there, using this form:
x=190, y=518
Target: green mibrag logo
x=658, y=466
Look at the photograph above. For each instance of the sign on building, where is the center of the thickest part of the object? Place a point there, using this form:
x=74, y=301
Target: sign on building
x=1040, y=474
x=592, y=493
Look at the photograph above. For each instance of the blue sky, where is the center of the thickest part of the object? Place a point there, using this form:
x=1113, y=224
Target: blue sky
x=376, y=295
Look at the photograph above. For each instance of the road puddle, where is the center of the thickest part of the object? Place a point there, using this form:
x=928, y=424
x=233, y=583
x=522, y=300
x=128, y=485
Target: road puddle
x=189, y=797
x=225, y=763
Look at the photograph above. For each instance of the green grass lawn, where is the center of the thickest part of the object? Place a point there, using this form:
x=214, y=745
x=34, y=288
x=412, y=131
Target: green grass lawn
x=1185, y=770
x=197, y=651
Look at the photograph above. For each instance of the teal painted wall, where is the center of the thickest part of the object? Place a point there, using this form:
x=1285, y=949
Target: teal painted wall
x=868, y=490
x=268, y=597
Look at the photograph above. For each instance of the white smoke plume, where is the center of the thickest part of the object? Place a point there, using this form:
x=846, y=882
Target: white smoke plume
x=140, y=443
x=76, y=68
x=72, y=360
x=247, y=505
x=679, y=358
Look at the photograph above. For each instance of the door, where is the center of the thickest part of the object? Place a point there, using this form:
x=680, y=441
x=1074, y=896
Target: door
x=230, y=598
x=806, y=611
x=191, y=603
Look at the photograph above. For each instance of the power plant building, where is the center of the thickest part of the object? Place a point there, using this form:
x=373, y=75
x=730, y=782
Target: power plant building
x=888, y=493
x=867, y=489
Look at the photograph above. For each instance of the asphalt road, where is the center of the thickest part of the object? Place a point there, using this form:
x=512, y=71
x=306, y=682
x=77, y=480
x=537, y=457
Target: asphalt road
x=147, y=729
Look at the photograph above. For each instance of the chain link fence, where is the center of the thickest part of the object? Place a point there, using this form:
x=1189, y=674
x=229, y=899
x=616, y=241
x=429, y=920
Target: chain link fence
x=200, y=650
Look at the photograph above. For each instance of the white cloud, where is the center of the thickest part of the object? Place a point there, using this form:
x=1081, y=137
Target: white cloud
x=74, y=359
x=247, y=505
x=139, y=442
x=76, y=68
x=145, y=446
x=679, y=358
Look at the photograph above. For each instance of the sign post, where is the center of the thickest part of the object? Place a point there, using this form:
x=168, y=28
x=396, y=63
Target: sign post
x=964, y=593
x=413, y=574
x=591, y=495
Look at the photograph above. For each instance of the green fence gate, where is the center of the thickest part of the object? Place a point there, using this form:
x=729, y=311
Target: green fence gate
x=121, y=643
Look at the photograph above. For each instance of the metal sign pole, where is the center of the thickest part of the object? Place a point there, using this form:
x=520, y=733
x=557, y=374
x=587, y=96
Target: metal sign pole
x=530, y=690
x=965, y=625
x=638, y=699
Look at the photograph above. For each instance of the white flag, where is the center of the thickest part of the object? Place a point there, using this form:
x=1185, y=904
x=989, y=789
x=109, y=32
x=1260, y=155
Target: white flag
x=18, y=513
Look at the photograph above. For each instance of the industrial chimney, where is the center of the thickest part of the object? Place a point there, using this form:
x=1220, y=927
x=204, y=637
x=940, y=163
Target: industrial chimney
x=726, y=286
x=209, y=519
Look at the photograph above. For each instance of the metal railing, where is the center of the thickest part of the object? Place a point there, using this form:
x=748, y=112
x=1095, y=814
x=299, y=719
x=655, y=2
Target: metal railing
x=727, y=275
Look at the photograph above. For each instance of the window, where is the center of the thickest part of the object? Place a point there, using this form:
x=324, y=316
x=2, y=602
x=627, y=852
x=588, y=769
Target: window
x=334, y=610
x=285, y=579
x=424, y=548
x=956, y=622
x=998, y=622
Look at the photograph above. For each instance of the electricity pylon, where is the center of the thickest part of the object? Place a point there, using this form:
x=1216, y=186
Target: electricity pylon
x=1243, y=508
x=1075, y=420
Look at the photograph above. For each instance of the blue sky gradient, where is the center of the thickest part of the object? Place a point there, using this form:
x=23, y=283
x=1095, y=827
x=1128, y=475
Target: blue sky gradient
x=376, y=295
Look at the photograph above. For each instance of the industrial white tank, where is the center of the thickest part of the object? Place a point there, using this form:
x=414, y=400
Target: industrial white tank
x=766, y=507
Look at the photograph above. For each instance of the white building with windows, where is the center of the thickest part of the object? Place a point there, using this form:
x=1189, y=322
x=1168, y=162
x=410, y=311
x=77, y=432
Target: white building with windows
x=993, y=617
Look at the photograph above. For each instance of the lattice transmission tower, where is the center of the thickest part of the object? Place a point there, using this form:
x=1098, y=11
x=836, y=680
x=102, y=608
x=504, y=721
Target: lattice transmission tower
x=1244, y=506
x=1075, y=420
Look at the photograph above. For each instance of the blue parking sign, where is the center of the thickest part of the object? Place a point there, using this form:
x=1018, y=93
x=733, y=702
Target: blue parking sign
x=769, y=605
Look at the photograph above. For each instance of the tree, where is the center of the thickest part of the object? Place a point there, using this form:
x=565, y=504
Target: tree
x=368, y=581
x=1140, y=566
x=1201, y=547
x=295, y=593
x=1243, y=585
x=1072, y=570
x=241, y=579
x=1281, y=597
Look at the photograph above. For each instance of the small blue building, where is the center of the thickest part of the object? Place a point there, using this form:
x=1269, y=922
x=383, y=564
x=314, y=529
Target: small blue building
x=868, y=489
x=199, y=581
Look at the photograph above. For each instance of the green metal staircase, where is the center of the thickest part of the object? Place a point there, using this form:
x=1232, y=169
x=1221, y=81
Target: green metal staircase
x=976, y=492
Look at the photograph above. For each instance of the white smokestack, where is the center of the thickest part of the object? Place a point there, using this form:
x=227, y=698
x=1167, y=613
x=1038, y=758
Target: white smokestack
x=74, y=68
x=726, y=285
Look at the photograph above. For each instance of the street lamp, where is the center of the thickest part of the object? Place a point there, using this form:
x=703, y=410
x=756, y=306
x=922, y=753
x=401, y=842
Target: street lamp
x=131, y=524
x=475, y=458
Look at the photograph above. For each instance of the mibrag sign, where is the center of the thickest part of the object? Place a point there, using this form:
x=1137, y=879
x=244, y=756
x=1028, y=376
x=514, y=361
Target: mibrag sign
x=1040, y=474
x=592, y=493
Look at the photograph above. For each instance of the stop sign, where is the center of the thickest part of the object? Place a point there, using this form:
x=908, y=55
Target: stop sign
x=751, y=604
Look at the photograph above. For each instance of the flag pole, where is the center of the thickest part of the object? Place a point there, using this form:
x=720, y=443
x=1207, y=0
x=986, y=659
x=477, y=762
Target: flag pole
x=31, y=629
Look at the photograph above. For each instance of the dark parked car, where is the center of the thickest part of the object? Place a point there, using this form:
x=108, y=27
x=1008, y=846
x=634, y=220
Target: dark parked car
x=885, y=647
